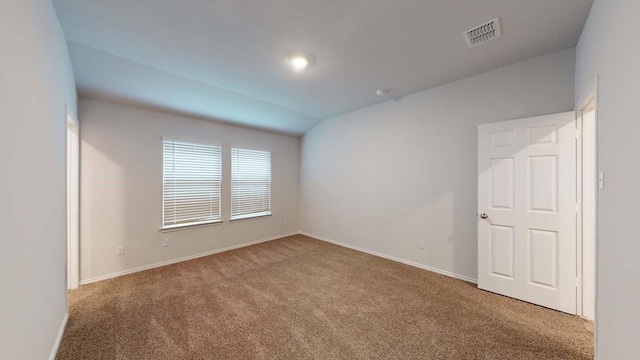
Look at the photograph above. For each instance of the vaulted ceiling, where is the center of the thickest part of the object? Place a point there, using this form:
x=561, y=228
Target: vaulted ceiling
x=225, y=60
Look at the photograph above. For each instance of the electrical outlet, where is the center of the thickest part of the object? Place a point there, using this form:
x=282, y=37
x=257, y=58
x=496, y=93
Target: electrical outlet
x=166, y=242
x=421, y=244
x=284, y=221
x=120, y=250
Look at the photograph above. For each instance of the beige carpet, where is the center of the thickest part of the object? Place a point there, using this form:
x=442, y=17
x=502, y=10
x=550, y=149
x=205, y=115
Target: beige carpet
x=300, y=298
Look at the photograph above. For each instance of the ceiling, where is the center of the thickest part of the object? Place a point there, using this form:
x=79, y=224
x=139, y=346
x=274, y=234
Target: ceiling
x=225, y=60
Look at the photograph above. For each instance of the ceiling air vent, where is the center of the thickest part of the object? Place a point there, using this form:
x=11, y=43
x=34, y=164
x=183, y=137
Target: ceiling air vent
x=483, y=33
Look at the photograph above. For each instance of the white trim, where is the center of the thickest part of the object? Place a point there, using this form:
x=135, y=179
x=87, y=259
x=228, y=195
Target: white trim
x=579, y=213
x=591, y=97
x=589, y=238
x=589, y=192
x=393, y=258
x=193, y=225
x=252, y=216
x=73, y=200
x=185, y=258
x=56, y=345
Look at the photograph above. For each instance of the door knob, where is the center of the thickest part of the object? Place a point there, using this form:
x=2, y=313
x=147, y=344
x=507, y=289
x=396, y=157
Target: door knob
x=484, y=215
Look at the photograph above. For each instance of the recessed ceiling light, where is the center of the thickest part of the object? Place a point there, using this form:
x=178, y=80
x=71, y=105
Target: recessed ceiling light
x=299, y=62
x=382, y=92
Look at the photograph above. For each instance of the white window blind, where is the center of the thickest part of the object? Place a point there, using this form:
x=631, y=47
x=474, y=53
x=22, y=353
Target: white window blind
x=192, y=175
x=250, y=183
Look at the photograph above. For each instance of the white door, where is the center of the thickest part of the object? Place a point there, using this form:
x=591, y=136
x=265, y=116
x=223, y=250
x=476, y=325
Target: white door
x=527, y=210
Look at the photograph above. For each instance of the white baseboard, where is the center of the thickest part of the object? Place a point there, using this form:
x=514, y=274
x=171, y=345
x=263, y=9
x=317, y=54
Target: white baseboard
x=393, y=258
x=185, y=258
x=56, y=345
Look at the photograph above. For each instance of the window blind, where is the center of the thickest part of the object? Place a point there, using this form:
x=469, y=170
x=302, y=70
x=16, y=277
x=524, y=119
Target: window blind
x=192, y=175
x=250, y=183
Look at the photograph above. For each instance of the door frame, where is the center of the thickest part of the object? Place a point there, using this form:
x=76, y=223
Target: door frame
x=586, y=260
x=73, y=200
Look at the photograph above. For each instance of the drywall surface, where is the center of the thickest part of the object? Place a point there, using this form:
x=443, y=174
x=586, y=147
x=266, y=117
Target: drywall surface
x=36, y=82
x=608, y=50
x=121, y=188
x=386, y=177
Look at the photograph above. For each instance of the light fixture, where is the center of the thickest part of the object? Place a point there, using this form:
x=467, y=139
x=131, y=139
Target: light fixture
x=299, y=62
x=382, y=92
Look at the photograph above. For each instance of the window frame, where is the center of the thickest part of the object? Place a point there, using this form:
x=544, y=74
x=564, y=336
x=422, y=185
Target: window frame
x=196, y=224
x=256, y=215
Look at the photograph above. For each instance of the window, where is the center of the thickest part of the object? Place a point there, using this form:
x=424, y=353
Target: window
x=192, y=175
x=250, y=183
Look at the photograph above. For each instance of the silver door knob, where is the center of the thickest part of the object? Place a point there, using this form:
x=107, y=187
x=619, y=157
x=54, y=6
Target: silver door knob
x=484, y=215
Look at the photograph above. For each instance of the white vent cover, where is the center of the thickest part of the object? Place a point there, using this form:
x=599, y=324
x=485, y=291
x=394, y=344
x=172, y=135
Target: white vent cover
x=483, y=33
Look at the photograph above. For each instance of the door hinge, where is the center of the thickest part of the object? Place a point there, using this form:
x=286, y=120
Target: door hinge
x=577, y=133
x=577, y=282
x=578, y=208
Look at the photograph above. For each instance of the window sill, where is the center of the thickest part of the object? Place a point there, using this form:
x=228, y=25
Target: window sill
x=189, y=226
x=250, y=216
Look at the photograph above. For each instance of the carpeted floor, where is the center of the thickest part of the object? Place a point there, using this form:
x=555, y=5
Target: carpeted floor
x=300, y=298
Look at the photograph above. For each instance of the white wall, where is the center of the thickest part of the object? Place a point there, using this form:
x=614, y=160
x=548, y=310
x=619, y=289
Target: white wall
x=36, y=82
x=609, y=49
x=385, y=177
x=121, y=187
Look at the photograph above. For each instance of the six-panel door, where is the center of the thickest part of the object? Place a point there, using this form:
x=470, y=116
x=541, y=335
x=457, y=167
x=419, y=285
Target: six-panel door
x=527, y=189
